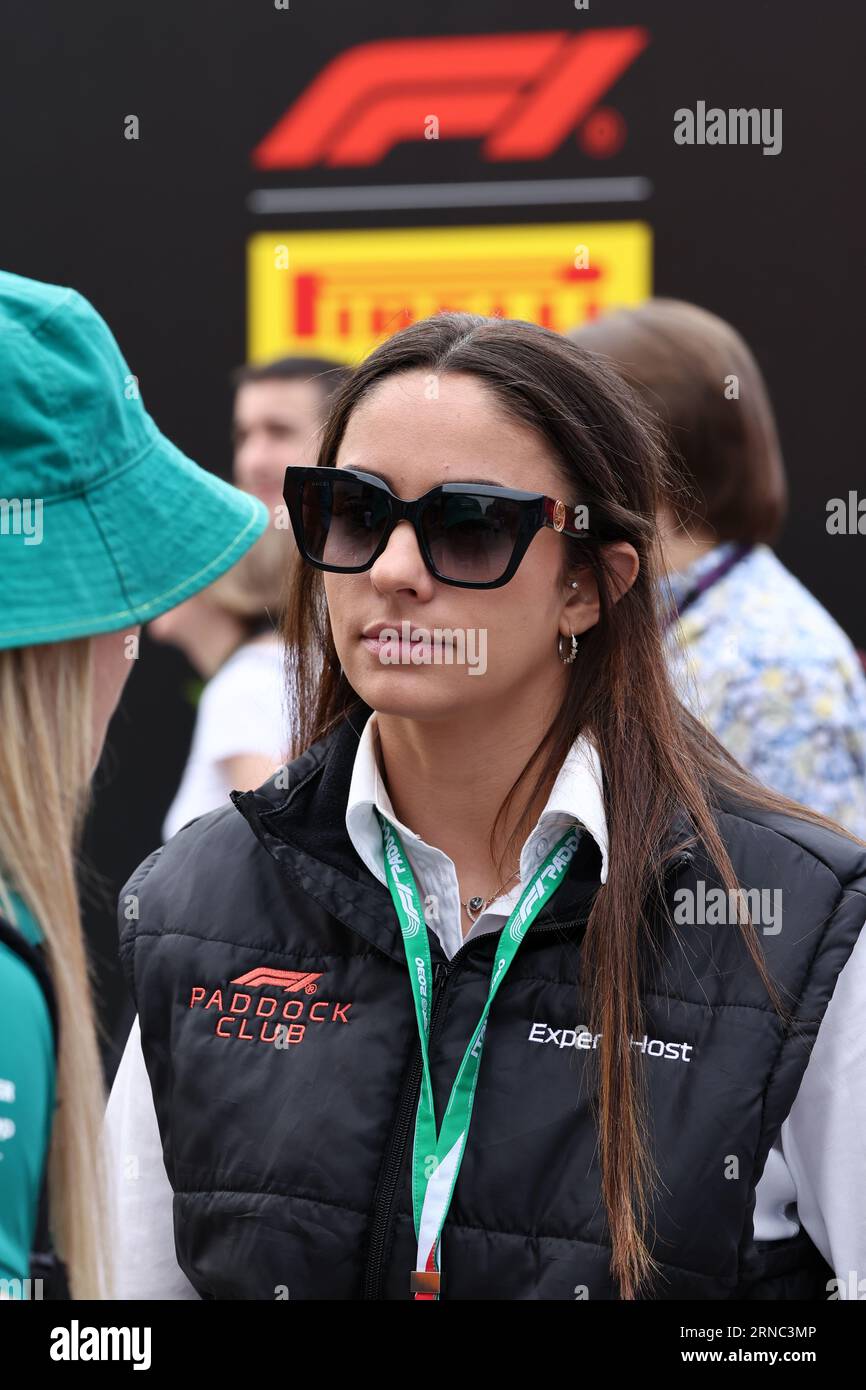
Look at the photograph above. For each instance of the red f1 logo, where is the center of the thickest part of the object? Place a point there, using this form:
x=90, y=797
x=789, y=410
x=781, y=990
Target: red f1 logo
x=283, y=979
x=523, y=92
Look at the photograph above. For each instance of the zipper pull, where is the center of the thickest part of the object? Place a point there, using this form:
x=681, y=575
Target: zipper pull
x=686, y=856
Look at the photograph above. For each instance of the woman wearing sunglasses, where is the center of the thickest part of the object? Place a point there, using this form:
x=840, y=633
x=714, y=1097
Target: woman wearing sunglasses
x=469, y=1001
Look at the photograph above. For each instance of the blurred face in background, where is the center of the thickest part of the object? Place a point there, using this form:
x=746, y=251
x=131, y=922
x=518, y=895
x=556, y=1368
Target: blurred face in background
x=274, y=428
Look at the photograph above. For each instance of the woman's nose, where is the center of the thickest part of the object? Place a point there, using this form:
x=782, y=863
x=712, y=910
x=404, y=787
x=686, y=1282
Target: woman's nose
x=401, y=564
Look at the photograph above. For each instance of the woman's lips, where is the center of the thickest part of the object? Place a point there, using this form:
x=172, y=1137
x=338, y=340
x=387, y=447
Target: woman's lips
x=405, y=643
x=396, y=647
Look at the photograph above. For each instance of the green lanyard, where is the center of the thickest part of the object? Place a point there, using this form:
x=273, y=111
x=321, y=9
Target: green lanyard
x=436, y=1156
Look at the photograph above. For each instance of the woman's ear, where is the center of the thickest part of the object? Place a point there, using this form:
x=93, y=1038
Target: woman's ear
x=622, y=559
x=581, y=610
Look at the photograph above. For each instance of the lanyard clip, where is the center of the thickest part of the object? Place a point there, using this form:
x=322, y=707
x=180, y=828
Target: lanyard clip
x=425, y=1283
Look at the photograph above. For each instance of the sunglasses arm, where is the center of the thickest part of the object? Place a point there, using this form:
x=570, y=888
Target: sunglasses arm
x=563, y=518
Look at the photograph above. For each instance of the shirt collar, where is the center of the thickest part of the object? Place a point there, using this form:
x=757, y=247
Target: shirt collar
x=576, y=795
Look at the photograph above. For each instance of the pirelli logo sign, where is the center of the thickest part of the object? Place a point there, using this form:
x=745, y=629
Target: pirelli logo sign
x=339, y=293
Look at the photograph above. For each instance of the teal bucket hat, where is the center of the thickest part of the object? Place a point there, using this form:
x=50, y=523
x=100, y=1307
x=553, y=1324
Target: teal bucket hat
x=104, y=523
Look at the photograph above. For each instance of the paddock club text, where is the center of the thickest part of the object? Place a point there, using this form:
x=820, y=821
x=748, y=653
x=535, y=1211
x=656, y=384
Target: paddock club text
x=267, y=1020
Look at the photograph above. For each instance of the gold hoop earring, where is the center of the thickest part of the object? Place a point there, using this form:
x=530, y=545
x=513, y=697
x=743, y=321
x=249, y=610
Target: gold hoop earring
x=567, y=660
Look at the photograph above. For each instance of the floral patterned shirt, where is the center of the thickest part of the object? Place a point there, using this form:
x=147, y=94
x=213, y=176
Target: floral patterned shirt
x=757, y=658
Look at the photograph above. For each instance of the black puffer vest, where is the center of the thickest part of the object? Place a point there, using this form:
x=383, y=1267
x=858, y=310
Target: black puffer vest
x=290, y=1165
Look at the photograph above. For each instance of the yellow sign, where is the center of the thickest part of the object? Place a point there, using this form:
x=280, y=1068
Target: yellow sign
x=338, y=294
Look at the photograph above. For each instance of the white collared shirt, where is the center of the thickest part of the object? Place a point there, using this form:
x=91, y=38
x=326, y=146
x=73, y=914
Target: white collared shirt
x=576, y=796
x=814, y=1171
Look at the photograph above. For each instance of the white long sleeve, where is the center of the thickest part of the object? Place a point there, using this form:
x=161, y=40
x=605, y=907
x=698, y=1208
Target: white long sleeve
x=824, y=1137
x=140, y=1194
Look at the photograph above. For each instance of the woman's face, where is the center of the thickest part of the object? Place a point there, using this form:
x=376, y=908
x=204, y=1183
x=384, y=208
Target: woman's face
x=417, y=430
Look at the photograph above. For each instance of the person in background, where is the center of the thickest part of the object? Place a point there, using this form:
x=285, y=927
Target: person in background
x=752, y=652
x=103, y=525
x=279, y=408
x=228, y=632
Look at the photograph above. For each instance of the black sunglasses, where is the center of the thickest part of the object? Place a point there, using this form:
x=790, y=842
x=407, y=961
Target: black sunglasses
x=473, y=535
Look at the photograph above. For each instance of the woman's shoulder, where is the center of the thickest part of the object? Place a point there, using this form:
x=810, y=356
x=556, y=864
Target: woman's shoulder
x=27, y=998
x=27, y=1086
x=23, y=1005
x=797, y=845
x=197, y=882
x=215, y=867
x=788, y=625
x=212, y=855
x=210, y=843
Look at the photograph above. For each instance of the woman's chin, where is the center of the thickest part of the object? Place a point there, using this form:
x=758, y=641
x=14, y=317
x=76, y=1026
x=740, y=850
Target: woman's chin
x=414, y=692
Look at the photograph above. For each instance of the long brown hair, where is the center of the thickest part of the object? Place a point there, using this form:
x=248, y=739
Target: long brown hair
x=657, y=759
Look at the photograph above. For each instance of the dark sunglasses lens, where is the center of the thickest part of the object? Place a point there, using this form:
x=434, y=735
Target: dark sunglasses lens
x=343, y=520
x=470, y=536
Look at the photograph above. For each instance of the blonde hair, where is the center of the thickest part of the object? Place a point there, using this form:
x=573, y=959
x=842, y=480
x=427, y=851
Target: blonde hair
x=45, y=769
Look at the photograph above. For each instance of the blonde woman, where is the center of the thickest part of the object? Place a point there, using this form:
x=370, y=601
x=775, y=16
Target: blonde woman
x=103, y=525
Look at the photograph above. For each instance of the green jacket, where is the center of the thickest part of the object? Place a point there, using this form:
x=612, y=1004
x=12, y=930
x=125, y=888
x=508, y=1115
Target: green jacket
x=27, y=1097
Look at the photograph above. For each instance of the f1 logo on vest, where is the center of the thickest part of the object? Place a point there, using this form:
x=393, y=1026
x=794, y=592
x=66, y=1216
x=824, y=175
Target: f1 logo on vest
x=581, y=1038
x=523, y=93
x=267, y=1020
